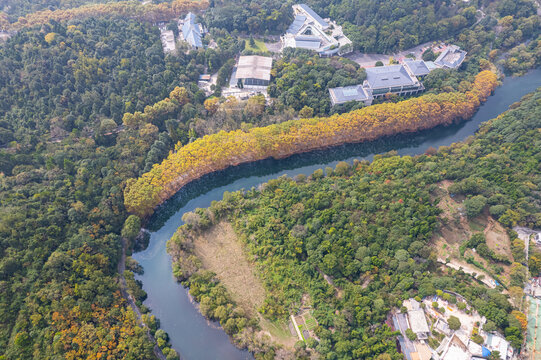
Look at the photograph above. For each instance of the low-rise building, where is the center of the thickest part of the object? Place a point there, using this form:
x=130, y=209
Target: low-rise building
x=391, y=79
x=417, y=67
x=309, y=31
x=192, y=31
x=418, y=324
x=341, y=95
x=254, y=71
x=168, y=41
x=451, y=58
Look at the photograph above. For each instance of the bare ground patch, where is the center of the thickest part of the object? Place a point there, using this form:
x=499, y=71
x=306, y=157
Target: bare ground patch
x=455, y=228
x=498, y=240
x=221, y=252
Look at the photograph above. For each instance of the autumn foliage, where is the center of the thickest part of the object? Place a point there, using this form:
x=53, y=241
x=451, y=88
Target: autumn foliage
x=129, y=9
x=219, y=151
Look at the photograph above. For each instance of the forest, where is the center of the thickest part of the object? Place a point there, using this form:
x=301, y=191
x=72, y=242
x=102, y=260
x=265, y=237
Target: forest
x=90, y=107
x=369, y=228
x=64, y=159
x=221, y=150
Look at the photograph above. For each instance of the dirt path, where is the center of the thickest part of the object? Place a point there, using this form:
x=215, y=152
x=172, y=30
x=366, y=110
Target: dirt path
x=453, y=264
x=131, y=301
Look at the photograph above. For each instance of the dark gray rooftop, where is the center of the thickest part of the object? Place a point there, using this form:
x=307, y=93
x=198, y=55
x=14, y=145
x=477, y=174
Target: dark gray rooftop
x=348, y=93
x=307, y=42
x=417, y=67
x=314, y=15
x=296, y=24
x=388, y=76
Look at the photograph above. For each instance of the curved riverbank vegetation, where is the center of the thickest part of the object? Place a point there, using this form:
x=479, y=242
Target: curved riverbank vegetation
x=353, y=242
x=219, y=151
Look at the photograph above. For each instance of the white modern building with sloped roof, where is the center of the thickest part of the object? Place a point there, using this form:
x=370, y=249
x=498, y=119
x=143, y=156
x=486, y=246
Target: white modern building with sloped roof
x=395, y=79
x=310, y=31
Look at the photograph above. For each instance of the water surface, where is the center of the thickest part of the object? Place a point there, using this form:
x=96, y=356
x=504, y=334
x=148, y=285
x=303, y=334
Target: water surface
x=191, y=334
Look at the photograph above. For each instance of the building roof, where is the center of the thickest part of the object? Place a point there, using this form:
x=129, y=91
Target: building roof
x=417, y=67
x=388, y=76
x=452, y=57
x=254, y=67
x=191, y=32
x=314, y=16
x=296, y=24
x=418, y=321
x=307, y=42
x=344, y=94
x=495, y=342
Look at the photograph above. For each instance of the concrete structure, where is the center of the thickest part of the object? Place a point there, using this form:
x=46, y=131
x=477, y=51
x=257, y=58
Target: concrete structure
x=168, y=40
x=191, y=31
x=418, y=323
x=496, y=342
x=341, y=95
x=394, y=79
x=254, y=71
x=309, y=31
x=451, y=58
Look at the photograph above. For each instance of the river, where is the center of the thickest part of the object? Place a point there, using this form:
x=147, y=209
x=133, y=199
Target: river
x=191, y=334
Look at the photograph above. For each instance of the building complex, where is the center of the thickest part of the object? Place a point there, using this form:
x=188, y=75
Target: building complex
x=310, y=31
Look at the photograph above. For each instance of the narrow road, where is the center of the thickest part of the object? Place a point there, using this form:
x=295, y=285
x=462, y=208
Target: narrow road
x=131, y=301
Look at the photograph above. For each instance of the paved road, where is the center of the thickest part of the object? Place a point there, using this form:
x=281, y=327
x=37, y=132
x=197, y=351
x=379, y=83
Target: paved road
x=369, y=60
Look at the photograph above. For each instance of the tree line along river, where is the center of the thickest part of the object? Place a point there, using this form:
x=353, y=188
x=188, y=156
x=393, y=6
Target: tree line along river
x=191, y=334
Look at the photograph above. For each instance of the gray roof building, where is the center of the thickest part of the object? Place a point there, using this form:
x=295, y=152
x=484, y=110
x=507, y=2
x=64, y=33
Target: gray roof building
x=388, y=76
x=296, y=24
x=314, y=16
x=191, y=32
x=452, y=57
x=417, y=67
x=307, y=42
x=345, y=94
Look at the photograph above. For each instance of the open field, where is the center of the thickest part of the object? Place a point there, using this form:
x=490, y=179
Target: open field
x=259, y=46
x=221, y=252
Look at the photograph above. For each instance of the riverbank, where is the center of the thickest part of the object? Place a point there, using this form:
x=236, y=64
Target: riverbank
x=191, y=334
x=222, y=150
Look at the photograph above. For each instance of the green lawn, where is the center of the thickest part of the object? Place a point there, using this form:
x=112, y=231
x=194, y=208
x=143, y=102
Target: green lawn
x=259, y=46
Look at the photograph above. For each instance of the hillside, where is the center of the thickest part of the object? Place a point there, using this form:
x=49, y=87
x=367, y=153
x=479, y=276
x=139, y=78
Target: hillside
x=352, y=243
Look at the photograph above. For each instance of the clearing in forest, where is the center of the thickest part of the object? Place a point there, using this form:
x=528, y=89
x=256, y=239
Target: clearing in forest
x=455, y=228
x=221, y=252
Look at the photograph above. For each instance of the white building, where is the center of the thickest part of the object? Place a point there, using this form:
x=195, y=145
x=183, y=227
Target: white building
x=310, y=31
x=254, y=71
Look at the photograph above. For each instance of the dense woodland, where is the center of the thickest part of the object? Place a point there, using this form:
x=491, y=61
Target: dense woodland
x=89, y=101
x=369, y=228
x=219, y=151
x=62, y=170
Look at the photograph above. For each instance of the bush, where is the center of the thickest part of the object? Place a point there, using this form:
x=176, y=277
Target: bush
x=475, y=205
x=411, y=335
x=454, y=323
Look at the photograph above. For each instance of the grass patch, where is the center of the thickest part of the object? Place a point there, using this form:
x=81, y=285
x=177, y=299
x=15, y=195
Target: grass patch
x=310, y=322
x=259, y=46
